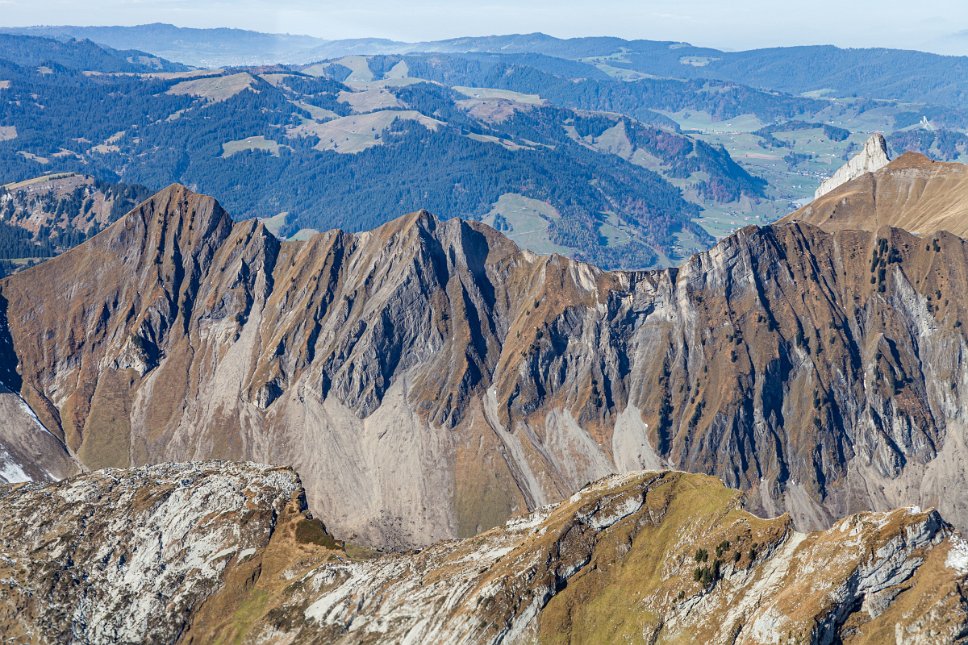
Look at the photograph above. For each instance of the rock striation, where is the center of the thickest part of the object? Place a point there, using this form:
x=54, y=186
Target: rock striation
x=430, y=379
x=221, y=552
x=873, y=157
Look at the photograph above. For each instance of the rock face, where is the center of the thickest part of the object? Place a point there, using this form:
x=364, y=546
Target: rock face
x=130, y=556
x=220, y=552
x=912, y=192
x=872, y=158
x=429, y=379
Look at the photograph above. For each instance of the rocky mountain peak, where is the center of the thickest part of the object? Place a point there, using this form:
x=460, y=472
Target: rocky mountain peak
x=873, y=157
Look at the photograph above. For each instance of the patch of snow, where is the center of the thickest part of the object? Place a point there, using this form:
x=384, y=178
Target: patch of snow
x=246, y=553
x=10, y=471
x=958, y=556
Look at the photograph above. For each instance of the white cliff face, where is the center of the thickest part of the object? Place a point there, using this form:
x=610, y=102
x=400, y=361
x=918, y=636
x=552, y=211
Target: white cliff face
x=871, y=159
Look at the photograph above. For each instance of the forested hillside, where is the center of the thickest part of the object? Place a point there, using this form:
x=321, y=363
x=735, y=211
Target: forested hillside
x=353, y=143
x=563, y=155
x=45, y=216
x=80, y=55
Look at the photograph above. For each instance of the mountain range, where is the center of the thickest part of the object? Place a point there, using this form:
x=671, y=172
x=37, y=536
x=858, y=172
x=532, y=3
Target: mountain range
x=450, y=427
x=909, y=76
x=430, y=378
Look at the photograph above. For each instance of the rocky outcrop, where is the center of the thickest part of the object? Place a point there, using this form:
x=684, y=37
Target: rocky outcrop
x=429, y=379
x=873, y=157
x=130, y=556
x=220, y=552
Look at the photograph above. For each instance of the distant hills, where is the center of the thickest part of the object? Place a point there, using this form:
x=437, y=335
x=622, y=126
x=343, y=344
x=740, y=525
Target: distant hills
x=588, y=171
x=80, y=55
x=875, y=73
x=559, y=144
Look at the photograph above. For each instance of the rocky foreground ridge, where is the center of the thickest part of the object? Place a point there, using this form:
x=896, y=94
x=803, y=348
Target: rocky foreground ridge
x=225, y=552
x=430, y=379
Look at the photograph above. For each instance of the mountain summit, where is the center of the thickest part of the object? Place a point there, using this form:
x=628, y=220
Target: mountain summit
x=912, y=192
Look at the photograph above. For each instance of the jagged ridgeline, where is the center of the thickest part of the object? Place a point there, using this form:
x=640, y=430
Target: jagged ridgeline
x=429, y=379
x=221, y=552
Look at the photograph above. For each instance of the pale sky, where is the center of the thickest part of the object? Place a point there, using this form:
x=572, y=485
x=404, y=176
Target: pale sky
x=931, y=25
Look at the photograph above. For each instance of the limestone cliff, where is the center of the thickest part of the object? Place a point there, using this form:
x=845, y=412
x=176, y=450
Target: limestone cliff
x=873, y=157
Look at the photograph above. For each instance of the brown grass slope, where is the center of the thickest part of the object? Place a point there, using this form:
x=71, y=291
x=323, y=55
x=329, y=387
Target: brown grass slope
x=429, y=379
x=912, y=192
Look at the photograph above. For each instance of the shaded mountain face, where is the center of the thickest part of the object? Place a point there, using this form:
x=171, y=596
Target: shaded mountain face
x=429, y=378
x=912, y=192
x=219, y=552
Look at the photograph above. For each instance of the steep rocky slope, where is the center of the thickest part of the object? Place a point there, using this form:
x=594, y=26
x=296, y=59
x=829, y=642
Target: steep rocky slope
x=429, y=379
x=130, y=556
x=871, y=159
x=28, y=452
x=912, y=192
x=221, y=552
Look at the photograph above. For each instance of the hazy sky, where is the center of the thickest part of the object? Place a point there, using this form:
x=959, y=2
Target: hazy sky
x=934, y=25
